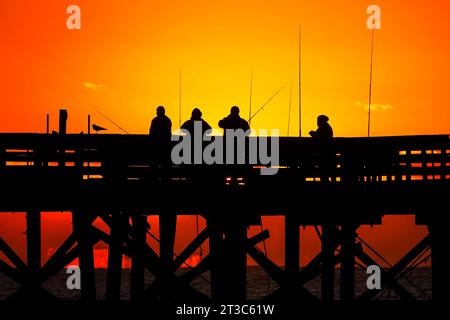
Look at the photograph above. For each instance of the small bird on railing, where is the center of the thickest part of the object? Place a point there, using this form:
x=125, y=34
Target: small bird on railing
x=97, y=128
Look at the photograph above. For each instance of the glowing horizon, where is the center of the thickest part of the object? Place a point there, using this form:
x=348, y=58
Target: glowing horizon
x=126, y=58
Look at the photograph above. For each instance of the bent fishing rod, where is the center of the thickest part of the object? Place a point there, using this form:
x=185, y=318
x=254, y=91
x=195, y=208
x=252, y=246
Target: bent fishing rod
x=262, y=107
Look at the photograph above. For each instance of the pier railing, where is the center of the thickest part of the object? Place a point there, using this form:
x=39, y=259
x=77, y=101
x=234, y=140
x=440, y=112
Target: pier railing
x=378, y=159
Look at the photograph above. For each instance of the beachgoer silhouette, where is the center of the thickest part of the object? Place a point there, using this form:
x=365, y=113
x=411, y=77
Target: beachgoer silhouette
x=234, y=121
x=161, y=126
x=195, y=116
x=323, y=138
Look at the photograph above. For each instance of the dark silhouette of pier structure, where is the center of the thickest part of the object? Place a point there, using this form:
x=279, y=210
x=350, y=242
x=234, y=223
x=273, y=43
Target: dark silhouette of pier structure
x=112, y=177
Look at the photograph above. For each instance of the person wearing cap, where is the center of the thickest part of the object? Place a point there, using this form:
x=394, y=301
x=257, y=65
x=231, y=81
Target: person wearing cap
x=161, y=126
x=233, y=121
x=195, y=116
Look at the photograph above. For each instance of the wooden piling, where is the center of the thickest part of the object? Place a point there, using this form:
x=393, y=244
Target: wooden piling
x=235, y=260
x=216, y=247
x=118, y=234
x=137, y=280
x=33, y=241
x=439, y=270
x=292, y=245
x=167, y=228
x=33, y=248
x=328, y=261
x=292, y=250
x=81, y=221
x=348, y=263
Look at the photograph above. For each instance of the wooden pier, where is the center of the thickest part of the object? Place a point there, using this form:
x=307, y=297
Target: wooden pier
x=115, y=178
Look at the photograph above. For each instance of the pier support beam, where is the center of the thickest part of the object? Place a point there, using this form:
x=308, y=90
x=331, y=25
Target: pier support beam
x=236, y=263
x=81, y=227
x=118, y=234
x=137, y=280
x=439, y=270
x=228, y=261
x=216, y=248
x=167, y=229
x=348, y=263
x=328, y=262
x=34, y=241
x=33, y=247
x=292, y=250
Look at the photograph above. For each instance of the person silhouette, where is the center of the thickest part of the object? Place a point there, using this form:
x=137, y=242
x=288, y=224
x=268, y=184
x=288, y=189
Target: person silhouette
x=234, y=121
x=324, y=131
x=161, y=126
x=160, y=136
x=326, y=155
x=196, y=116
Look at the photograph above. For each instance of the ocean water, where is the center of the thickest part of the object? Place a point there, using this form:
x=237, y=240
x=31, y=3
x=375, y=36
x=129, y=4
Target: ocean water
x=417, y=282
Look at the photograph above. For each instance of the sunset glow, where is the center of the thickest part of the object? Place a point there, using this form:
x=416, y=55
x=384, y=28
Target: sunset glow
x=127, y=57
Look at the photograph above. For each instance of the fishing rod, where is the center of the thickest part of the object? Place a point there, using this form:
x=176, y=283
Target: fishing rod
x=179, y=100
x=110, y=120
x=300, y=81
x=370, y=83
x=289, y=111
x=262, y=107
x=251, y=94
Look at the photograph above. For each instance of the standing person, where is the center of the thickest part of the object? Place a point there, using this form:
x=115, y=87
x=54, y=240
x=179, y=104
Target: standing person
x=160, y=135
x=196, y=116
x=161, y=126
x=323, y=138
x=231, y=125
x=234, y=121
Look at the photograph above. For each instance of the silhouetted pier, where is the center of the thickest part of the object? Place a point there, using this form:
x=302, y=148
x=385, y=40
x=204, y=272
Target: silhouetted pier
x=114, y=177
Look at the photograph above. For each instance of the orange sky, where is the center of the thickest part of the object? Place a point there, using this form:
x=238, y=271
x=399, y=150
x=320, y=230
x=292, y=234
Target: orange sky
x=126, y=58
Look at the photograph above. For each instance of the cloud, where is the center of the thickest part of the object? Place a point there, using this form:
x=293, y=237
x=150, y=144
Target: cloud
x=93, y=86
x=375, y=106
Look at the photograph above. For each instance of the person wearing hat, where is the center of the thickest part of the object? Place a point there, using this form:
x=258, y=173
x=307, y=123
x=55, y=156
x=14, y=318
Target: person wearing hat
x=195, y=116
